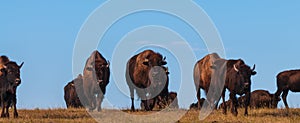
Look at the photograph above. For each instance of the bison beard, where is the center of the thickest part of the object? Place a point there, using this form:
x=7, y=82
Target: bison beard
x=143, y=74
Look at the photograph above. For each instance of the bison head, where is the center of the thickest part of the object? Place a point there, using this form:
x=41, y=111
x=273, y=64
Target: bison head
x=243, y=74
x=274, y=101
x=12, y=74
x=102, y=72
x=154, y=60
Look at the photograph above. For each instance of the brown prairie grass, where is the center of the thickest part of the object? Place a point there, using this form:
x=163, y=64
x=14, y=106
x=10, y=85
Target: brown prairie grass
x=191, y=116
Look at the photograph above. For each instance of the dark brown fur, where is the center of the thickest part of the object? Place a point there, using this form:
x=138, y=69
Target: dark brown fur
x=287, y=81
x=9, y=81
x=137, y=76
x=70, y=94
x=236, y=81
x=259, y=99
x=95, y=79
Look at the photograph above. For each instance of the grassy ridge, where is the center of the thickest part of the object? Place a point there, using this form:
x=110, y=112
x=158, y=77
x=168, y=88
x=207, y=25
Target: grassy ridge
x=81, y=115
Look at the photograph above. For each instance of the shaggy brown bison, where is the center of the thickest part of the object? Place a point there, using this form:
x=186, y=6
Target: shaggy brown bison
x=259, y=99
x=146, y=75
x=9, y=81
x=287, y=81
x=237, y=81
x=213, y=70
x=70, y=93
x=203, y=73
x=95, y=79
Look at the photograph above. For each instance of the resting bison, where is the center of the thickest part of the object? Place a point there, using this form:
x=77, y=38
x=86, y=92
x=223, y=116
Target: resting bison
x=287, y=81
x=144, y=73
x=259, y=99
x=95, y=79
x=71, y=98
x=170, y=101
x=9, y=81
x=237, y=81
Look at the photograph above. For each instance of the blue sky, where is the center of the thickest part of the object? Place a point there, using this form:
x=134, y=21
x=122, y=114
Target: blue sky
x=43, y=34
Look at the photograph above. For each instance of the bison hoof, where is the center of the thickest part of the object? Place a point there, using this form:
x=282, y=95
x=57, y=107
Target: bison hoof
x=234, y=113
x=16, y=115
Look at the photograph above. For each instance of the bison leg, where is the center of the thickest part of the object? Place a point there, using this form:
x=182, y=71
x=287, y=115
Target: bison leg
x=132, y=98
x=284, y=95
x=247, y=102
x=3, y=109
x=99, y=101
x=224, y=103
x=234, y=104
x=14, y=101
x=198, y=97
x=6, y=110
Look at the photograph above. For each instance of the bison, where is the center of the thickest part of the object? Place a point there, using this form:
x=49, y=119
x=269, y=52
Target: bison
x=214, y=70
x=146, y=75
x=237, y=80
x=96, y=75
x=9, y=81
x=203, y=73
x=259, y=99
x=70, y=93
x=287, y=81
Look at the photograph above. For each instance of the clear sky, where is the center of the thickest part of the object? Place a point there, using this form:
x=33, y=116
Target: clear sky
x=43, y=34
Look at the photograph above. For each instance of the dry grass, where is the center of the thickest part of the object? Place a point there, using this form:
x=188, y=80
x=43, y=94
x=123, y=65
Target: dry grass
x=81, y=116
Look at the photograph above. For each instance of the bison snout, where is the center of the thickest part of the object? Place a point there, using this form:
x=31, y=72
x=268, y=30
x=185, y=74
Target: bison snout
x=18, y=81
x=246, y=85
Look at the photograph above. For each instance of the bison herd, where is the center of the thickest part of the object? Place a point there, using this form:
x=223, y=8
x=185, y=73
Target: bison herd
x=147, y=75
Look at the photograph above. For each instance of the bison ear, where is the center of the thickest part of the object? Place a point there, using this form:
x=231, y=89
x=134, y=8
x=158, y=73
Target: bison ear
x=21, y=65
x=163, y=63
x=253, y=72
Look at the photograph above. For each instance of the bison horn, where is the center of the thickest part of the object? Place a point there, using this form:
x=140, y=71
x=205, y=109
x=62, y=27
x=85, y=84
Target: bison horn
x=237, y=70
x=21, y=65
x=4, y=66
x=164, y=58
x=253, y=67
